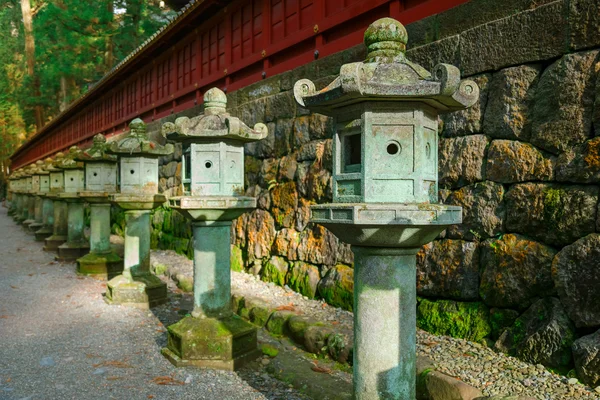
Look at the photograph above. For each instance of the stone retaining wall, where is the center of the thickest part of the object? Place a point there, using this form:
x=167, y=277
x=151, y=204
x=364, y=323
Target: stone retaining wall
x=524, y=163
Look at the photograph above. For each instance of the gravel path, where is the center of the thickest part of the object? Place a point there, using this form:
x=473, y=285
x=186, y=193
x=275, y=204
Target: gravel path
x=493, y=373
x=61, y=341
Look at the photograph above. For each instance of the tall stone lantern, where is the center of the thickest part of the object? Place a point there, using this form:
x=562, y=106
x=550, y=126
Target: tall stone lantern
x=12, y=193
x=29, y=209
x=100, y=184
x=76, y=245
x=138, y=164
x=47, y=204
x=60, y=226
x=15, y=184
x=213, y=176
x=385, y=193
x=43, y=186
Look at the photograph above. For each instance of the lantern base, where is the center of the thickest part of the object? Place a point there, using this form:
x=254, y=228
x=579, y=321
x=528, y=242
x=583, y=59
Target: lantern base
x=212, y=208
x=53, y=242
x=36, y=226
x=71, y=251
x=100, y=266
x=44, y=233
x=144, y=291
x=225, y=344
x=27, y=222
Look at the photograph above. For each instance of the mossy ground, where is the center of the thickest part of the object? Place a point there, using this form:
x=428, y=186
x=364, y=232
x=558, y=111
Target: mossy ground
x=461, y=320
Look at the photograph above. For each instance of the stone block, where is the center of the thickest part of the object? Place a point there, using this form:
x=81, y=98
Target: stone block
x=464, y=320
x=515, y=271
x=444, y=387
x=275, y=270
x=260, y=234
x=511, y=161
x=580, y=164
x=529, y=36
x=278, y=322
x=508, y=110
x=431, y=54
x=283, y=136
x=564, y=99
x=483, y=211
x=577, y=279
x=337, y=287
x=303, y=278
x=448, y=269
x=584, y=24
x=553, y=214
x=280, y=105
x=462, y=160
x=284, y=202
x=542, y=335
x=586, y=354
x=469, y=121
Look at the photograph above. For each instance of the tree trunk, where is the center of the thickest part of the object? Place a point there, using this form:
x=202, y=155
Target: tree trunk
x=109, y=58
x=30, y=56
x=64, y=93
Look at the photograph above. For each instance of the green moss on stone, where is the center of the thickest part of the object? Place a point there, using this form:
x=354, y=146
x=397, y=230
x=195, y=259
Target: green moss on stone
x=457, y=319
x=553, y=205
x=269, y=350
x=237, y=259
x=186, y=283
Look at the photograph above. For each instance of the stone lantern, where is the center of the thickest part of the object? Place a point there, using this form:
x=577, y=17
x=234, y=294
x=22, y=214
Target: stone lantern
x=24, y=198
x=138, y=164
x=73, y=170
x=59, y=207
x=385, y=193
x=43, y=185
x=47, y=204
x=213, y=144
x=100, y=183
x=15, y=184
x=29, y=209
x=12, y=193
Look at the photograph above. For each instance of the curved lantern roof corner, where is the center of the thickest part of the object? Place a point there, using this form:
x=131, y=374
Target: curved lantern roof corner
x=137, y=143
x=53, y=166
x=387, y=75
x=214, y=124
x=98, y=152
x=41, y=168
x=69, y=161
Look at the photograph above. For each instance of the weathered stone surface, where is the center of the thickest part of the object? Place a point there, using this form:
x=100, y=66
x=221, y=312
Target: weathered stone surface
x=511, y=92
x=280, y=105
x=515, y=271
x=275, y=270
x=252, y=112
x=457, y=319
x=562, y=112
x=318, y=183
x=252, y=167
x=448, y=269
x=542, y=335
x=444, y=387
x=529, y=36
x=320, y=126
x=308, y=151
x=462, y=160
x=344, y=254
x=268, y=172
x=576, y=275
x=500, y=320
x=315, y=338
x=511, y=161
x=301, y=131
x=586, y=353
x=580, y=164
x=285, y=242
x=283, y=137
x=238, y=231
x=237, y=259
x=316, y=246
x=260, y=233
x=284, y=202
x=303, y=278
x=554, y=214
x=431, y=54
x=340, y=346
x=483, y=211
x=263, y=148
x=258, y=90
x=287, y=168
x=337, y=287
x=277, y=323
x=584, y=24
x=469, y=121
x=301, y=178
x=302, y=214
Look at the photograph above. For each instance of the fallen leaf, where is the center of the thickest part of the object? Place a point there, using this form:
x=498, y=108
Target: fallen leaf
x=150, y=396
x=14, y=287
x=334, y=322
x=323, y=370
x=167, y=380
x=32, y=274
x=80, y=278
x=6, y=316
x=116, y=364
x=287, y=307
x=113, y=378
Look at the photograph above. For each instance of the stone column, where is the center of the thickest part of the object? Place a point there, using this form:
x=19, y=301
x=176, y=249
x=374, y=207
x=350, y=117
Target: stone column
x=212, y=269
x=76, y=245
x=30, y=213
x=24, y=215
x=18, y=204
x=38, y=222
x=136, y=286
x=384, y=323
x=61, y=227
x=47, y=219
x=101, y=262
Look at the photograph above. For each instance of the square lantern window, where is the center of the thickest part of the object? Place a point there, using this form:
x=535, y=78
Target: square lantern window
x=45, y=183
x=57, y=181
x=101, y=177
x=29, y=183
x=139, y=175
x=74, y=180
x=35, y=183
x=217, y=168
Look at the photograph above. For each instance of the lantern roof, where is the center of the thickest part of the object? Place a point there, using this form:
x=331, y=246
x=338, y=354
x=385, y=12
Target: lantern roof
x=137, y=143
x=98, y=152
x=214, y=124
x=69, y=161
x=388, y=75
x=40, y=168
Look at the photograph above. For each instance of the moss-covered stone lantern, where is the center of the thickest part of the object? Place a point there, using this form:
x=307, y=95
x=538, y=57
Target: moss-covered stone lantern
x=100, y=184
x=385, y=194
x=43, y=185
x=12, y=193
x=138, y=165
x=59, y=207
x=29, y=210
x=212, y=337
x=17, y=201
x=47, y=204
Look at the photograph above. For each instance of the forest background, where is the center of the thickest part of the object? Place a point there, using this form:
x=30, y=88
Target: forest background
x=53, y=51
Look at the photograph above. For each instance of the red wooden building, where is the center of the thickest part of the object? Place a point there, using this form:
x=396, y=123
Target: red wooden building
x=228, y=44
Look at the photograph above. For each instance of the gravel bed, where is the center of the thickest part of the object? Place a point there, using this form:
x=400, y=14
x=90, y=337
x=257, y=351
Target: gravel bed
x=493, y=373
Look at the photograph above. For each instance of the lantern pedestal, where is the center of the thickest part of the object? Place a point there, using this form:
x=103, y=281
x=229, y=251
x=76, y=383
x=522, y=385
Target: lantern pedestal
x=101, y=262
x=136, y=286
x=60, y=227
x=212, y=337
x=18, y=198
x=24, y=218
x=76, y=245
x=38, y=220
x=48, y=219
x=31, y=213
